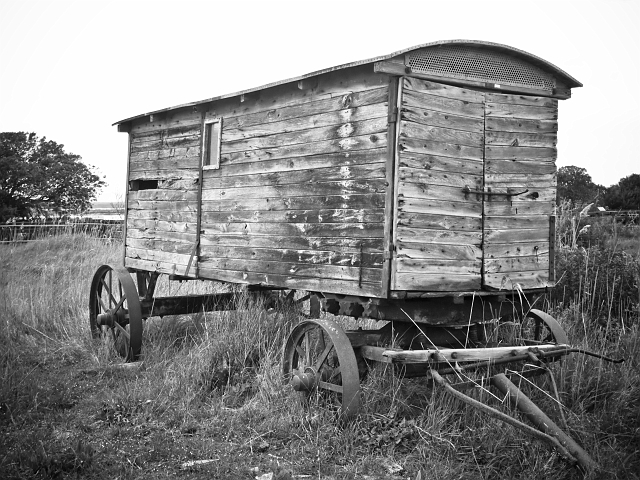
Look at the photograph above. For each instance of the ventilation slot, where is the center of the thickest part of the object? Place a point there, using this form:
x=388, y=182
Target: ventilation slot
x=467, y=63
x=135, y=185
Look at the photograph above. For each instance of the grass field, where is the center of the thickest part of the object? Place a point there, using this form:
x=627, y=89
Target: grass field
x=209, y=389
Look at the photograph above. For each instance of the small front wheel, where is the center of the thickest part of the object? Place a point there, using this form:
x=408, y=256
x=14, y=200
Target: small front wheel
x=318, y=357
x=114, y=309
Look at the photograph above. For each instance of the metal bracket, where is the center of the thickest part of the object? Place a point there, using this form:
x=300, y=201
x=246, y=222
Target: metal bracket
x=467, y=189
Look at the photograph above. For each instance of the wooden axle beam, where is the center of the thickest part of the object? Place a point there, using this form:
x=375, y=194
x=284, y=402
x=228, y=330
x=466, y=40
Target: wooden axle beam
x=161, y=306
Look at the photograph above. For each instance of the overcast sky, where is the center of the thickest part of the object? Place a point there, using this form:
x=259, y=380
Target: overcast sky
x=70, y=69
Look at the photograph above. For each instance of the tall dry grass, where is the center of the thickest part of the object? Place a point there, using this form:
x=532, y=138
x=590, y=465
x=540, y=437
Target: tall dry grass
x=216, y=375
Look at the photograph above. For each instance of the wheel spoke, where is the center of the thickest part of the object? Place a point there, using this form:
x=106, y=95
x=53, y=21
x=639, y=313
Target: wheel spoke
x=301, y=353
x=123, y=331
x=104, y=308
x=537, y=329
x=323, y=356
x=119, y=304
x=330, y=357
x=334, y=373
x=307, y=348
x=331, y=386
x=115, y=295
x=109, y=290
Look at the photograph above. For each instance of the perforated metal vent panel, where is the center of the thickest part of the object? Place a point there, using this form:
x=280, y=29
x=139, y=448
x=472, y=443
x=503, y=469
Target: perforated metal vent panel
x=469, y=63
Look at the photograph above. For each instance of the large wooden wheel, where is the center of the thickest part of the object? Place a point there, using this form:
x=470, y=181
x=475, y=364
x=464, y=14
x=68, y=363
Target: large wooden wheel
x=318, y=358
x=114, y=309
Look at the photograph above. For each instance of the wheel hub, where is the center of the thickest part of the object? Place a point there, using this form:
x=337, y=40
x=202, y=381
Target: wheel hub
x=305, y=381
x=109, y=318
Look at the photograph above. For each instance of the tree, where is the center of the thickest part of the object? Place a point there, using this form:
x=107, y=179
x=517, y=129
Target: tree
x=576, y=185
x=625, y=195
x=37, y=177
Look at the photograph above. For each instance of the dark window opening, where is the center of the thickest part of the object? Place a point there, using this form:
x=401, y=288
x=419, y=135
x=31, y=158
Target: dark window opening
x=135, y=185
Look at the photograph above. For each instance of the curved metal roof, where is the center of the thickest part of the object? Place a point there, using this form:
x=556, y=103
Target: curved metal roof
x=545, y=65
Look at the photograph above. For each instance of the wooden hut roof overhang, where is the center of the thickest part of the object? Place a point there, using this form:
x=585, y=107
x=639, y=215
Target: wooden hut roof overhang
x=459, y=62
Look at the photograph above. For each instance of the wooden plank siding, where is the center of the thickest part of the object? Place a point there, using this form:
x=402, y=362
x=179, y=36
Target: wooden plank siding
x=437, y=234
x=162, y=221
x=463, y=153
x=318, y=182
x=299, y=199
x=520, y=155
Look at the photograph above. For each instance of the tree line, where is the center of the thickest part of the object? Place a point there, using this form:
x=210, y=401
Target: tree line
x=577, y=186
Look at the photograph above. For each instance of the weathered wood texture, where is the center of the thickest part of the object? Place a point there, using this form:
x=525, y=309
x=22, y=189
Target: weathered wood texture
x=298, y=201
x=303, y=190
x=162, y=220
x=456, y=146
x=438, y=231
x=520, y=155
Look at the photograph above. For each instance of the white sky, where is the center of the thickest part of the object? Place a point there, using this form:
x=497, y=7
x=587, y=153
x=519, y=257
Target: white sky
x=69, y=69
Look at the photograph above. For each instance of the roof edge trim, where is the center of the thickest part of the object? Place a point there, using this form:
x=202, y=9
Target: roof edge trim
x=564, y=76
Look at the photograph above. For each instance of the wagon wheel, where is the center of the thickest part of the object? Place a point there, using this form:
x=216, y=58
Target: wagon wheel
x=318, y=357
x=114, y=307
x=540, y=327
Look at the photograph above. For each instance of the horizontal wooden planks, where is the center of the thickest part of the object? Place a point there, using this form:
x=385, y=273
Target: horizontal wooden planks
x=348, y=143
x=299, y=242
x=344, y=187
x=428, y=147
x=441, y=144
x=520, y=155
x=439, y=221
x=337, y=159
x=450, y=208
x=431, y=251
x=361, y=172
x=308, y=202
x=435, y=118
x=333, y=132
x=511, y=280
x=517, y=264
x=437, y=282
x=323, y=104
x=422, y=131
x=444, y=266
x=306, y=122
x=298, y=282
x=312, y=257
x=440, y=164
x=300, y=194
x=434, y=177
x=295, y=216
x=352, y=230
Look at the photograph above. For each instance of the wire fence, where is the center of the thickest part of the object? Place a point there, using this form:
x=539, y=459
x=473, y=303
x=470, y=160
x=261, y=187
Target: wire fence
x=38, y=231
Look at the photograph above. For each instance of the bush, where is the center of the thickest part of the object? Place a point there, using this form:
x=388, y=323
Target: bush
x=601, y=281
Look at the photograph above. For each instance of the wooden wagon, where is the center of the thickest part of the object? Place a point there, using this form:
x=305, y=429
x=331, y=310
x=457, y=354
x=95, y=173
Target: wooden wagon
x=416, y=188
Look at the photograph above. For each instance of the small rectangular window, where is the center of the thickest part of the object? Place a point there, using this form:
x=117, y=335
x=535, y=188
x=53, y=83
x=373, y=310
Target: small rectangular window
x=211, y=144
x=136, y=185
